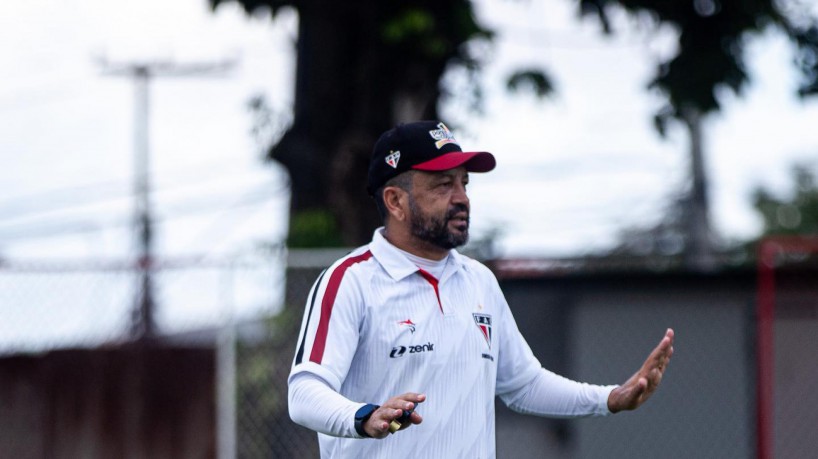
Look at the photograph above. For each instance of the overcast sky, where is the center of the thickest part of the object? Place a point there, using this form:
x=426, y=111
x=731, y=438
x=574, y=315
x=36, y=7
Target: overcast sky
x=572, y=170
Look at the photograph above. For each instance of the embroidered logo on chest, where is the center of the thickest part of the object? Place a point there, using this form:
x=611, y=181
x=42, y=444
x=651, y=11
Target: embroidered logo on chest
x=408, y=324
x=483, y=322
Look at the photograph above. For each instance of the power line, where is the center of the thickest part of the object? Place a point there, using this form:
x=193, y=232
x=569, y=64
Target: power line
x=69, y=198
x=142, y=73
x=241, y=204
x=201, y=205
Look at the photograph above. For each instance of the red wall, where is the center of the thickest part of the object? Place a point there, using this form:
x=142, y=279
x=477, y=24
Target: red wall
x=134, y=402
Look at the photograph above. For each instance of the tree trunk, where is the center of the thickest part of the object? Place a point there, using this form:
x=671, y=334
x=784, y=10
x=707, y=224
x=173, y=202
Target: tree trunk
x=351, y=85
x=699, y=249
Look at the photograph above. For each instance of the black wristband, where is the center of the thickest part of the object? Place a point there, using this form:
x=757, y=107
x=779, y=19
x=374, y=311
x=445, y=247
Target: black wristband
x=361, y=416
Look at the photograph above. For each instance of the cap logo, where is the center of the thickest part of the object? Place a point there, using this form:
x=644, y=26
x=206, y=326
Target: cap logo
x=393, y=158
x=442, y=136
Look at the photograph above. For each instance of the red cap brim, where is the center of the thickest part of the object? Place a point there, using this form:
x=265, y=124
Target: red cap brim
x=475, y=161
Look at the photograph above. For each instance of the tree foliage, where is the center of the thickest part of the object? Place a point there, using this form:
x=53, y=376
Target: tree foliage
x=792, y=213
x=713, y=35
x=361, y=67
x=534, y=79
x=796, y=214
x=366, y=65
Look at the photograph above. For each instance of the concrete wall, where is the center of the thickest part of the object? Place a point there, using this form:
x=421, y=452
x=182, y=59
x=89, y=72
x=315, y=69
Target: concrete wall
x=599, y=328
x=603, y=328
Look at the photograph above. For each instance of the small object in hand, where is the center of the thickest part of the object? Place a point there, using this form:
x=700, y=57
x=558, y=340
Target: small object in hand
x=396, y=424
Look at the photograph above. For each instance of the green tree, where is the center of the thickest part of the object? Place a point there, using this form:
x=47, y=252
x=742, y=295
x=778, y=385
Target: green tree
x=362, y=66
x=711, y=56
x=796, y=214
x=711, y=45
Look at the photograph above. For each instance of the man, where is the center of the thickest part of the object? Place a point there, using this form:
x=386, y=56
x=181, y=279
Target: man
x=406, y=330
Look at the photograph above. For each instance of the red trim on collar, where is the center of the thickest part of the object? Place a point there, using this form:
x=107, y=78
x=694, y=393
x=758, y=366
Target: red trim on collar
x=432, y=280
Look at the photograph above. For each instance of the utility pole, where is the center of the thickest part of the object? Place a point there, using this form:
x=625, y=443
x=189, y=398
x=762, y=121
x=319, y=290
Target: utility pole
x=142, y=319
x=699, y=251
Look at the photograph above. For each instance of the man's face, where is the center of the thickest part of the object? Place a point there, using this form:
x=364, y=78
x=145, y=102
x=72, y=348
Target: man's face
x=439, y=208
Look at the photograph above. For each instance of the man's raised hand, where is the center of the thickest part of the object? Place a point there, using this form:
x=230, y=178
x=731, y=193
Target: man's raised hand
x=639, y=387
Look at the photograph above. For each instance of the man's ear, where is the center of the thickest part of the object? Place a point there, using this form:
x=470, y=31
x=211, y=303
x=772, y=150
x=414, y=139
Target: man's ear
x=396, y=202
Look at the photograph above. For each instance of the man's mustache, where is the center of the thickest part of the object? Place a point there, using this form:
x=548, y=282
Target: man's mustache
x=457, y=209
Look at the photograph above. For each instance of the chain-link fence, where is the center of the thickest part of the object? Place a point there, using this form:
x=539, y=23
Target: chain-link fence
x=596, y=326
x=787, y=410
x=263, y=426
x=51, y=305
x=59, y=315
x=591, y=327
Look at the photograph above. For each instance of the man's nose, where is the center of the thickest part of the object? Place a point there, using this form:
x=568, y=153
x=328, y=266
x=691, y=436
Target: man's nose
x=460, y=196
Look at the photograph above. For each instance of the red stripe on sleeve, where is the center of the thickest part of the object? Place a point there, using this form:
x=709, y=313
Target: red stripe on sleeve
x=328, y=301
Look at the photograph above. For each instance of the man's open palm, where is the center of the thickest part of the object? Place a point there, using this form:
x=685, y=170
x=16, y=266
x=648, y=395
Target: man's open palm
x=636, y=390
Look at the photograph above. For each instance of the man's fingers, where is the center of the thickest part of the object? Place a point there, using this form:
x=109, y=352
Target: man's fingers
x=379, y=429
x=660, y=356
x=655, y=377
x=642, y=385
x=644, y=382
x=411, y=397
x=399, y=412
x=667, y=342
x=657, y=363
x=640, y=390
x=381, y=419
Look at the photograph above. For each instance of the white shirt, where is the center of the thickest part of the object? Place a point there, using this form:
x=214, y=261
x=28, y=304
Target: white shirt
x=433, y=267
x=376, y=326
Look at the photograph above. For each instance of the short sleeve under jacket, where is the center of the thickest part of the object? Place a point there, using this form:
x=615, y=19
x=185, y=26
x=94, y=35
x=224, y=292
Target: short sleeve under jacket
x=376, y=326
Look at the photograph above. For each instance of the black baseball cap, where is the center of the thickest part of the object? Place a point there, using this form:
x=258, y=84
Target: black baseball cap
x=424, y=146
